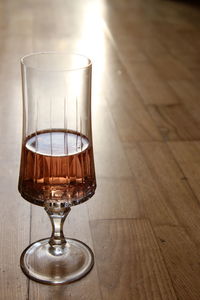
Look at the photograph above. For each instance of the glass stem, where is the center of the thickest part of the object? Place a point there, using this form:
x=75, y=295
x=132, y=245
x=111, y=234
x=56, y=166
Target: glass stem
x=57, y=217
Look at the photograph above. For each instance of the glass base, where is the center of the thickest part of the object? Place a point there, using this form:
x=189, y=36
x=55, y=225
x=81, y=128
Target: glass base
x=57, y=264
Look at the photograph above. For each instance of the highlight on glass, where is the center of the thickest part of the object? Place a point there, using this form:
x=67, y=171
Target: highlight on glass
x=57, y=164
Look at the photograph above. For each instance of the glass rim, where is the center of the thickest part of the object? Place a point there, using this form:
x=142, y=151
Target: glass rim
x=89, y=64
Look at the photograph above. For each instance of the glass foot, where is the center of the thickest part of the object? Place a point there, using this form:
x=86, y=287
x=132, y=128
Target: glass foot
x=57, y=264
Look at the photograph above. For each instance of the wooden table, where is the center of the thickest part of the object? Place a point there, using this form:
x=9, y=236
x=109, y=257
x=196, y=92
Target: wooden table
x=144, y=221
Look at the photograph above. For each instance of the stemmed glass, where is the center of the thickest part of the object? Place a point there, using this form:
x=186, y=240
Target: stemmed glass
x=57, y=165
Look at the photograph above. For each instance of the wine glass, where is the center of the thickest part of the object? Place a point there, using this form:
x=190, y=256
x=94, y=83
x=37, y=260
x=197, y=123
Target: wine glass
x=57, y=165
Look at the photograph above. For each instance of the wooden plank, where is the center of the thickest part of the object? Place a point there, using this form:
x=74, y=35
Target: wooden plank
x=115, y=198
x=173, y=211
x=187, y=154
x=171, y=69
x=76, y=226
x=14, y=230
x=135, y=21
x=182, y=260
x=192, y=62
x=151, y=46
x=175, y=122
x=126, y=47
x=160, y=21
x=133, y=124
x=15, y=211
x=110, y=159
x=148, y=190
x=169, y=181
x=126, y=106
x=166, y=128
x=147, y=80
x=174, y=40
x=129, y=262
x=152, y=88
x=188, y=92
x=132, y=120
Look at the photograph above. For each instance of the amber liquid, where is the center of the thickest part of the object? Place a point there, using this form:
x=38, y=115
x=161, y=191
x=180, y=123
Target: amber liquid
x=57, y=166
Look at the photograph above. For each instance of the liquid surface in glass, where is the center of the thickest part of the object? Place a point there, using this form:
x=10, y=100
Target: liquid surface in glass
x=57, y=165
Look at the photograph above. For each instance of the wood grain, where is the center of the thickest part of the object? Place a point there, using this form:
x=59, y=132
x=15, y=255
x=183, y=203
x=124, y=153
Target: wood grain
x=14, y=232
x=15, y=213
x=128, y=111
x=129, y=262
x=150, y=85
x=109, y=155
x=171, y=183
x=187, y=156
x=175, y=122
x=171, y=69
x=182, y=260
x=166, y=128
x=172, y=208
x=189, y=93
x=144, y=221
x=115, y=198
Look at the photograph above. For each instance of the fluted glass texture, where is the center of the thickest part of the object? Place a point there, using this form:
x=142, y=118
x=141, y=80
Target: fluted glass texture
x=57, y=163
